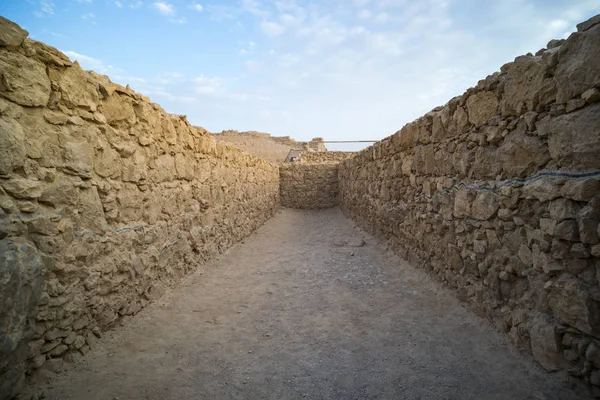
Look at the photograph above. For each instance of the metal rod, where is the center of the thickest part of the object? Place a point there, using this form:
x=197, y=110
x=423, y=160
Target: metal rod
x=348, y=141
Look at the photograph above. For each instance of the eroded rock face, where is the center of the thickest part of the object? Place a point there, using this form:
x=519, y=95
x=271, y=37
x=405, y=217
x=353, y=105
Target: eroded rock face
x=522, y=253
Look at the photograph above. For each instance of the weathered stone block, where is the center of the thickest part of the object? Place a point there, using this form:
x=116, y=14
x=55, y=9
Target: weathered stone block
x=572, y=304
x=481, y=107
x=24, y=80
x=544, y=342
x=578, y=58
x=20, y=290
x=574, y=139
x=484, y=206
x=11, y=34
x=12, y=146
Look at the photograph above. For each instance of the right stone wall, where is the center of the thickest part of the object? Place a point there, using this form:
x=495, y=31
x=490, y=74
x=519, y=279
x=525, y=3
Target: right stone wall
x=497, y=193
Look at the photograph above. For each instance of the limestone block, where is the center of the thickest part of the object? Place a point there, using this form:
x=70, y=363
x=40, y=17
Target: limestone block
x=12, y=145
x=522, y=154
x=518, y=97
x=572, y=304
x=78, y=157
x=11, y=34
x=544, y=342
x=77, y=90
x=484, y=206
x=24, y=80
x=579, y=64
x=23, y=188
x=20, y=290
x=481, y=107
x=574, y=139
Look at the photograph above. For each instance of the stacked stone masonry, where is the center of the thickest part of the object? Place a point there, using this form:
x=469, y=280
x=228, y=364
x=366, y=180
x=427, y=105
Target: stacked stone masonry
x=525, y=253
x=108, y=198
x=309, y=186
x=325, y=156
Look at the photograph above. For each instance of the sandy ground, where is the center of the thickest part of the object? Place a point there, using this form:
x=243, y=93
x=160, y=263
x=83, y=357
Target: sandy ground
x=297, y=311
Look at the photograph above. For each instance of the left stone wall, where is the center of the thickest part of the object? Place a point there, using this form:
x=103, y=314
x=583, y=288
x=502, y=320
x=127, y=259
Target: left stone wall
x=106, y=196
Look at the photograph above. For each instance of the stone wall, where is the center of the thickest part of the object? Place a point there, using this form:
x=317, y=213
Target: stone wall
x=325, y=156
x=497, y=193
x=308, y=186
x=108, y=197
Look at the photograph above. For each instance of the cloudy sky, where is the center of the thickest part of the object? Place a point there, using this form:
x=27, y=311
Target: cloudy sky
x=339, y=69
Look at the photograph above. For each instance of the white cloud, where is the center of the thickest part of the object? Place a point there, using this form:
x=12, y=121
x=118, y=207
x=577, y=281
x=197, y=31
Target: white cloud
x=382, y=17
x=91, y=63
x=181, y=20
x=88, y=16
x=137, y=4
x=164, y=8
x=271, y=28
x=253, y=66
x=46, y=9
x=118, y=4
x=364, y=14
x=84, y=1
x=197, y=7
x=208, y=85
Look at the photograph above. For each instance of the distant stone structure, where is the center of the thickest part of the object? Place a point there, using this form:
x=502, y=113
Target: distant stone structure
x=272, y=148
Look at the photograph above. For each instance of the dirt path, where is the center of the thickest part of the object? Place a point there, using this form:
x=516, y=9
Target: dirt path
x=295, y=313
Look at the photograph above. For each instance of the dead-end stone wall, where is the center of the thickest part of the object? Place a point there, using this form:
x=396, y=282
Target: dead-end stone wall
x=497, y=193
x=308, y=186
x=325, y=156
x=106, y=196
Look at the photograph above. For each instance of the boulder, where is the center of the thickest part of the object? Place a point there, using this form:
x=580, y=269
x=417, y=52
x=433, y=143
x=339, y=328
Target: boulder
x=522, y=155
x=20, y=291
x=572, y=304
x=23, y=80
x=462, y=204
x=481, y=107
x=544, y=342
x=523, y=85
x=11, y=34
x=585, y=25
x=484, y=206
x=12, y=146
x=23, y=188
x=574, y=139
x=579, y=64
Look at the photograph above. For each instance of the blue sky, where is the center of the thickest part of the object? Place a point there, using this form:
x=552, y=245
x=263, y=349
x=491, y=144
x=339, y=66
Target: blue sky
x=339, y=69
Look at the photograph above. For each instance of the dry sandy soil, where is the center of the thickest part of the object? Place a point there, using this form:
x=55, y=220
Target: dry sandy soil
x=299, y=311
